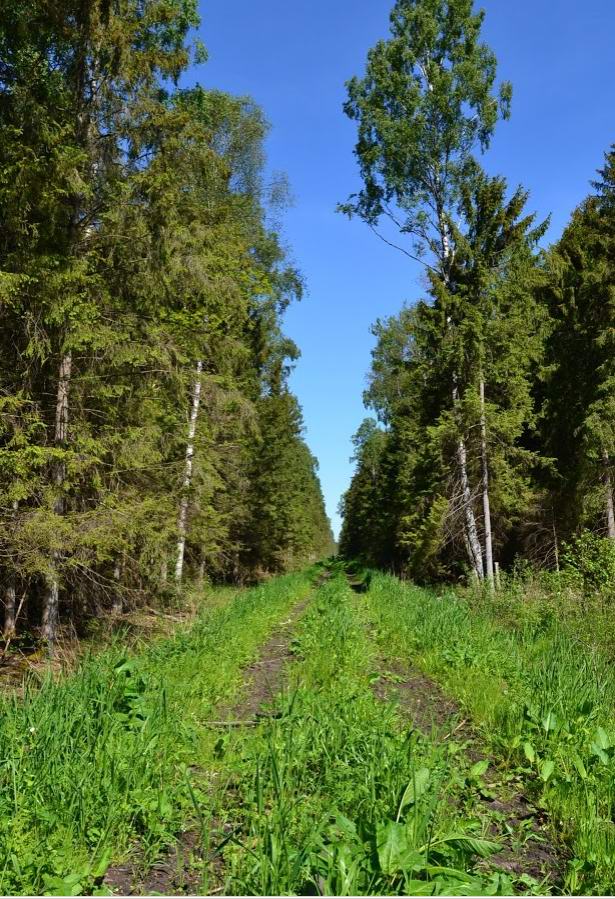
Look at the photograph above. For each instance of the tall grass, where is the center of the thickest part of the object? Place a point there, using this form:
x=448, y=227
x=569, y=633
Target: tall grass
x=110, y=754
x=544, y=697
x=335, y=794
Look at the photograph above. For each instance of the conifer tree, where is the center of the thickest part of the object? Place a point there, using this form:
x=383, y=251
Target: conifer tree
x=141, y=294
x=579, y=420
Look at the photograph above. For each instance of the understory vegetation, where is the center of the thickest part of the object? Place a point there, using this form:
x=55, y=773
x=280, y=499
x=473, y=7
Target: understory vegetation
x=329, y=783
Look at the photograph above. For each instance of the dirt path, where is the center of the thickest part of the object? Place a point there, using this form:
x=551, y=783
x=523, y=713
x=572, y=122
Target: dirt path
x=178, y=873
x=521, y=828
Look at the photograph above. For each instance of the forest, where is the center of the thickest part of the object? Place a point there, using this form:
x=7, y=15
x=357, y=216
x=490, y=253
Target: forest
x=493, y=442
x=148, y=434
x=202, y=692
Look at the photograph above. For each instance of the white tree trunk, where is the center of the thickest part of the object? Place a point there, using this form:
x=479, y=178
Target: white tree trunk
x=10, y=594
x=485, y=488
x=608, y=485
x=189, y=464
x=118, y=600
x=472, y=541
x=51, y=598
x=471, y=531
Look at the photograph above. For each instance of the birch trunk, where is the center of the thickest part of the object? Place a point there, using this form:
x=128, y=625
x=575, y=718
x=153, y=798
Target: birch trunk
x=472, y=541
x=183, y=508
x=10, y=596
x=51, y=598
x=118, y=600
x=485, y=488
x=608, y=484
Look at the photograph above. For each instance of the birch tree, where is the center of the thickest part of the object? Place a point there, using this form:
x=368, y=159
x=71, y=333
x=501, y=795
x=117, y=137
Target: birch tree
x=427, y=104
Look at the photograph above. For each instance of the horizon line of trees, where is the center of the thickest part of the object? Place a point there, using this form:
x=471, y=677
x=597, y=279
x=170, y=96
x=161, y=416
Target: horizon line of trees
x=494, y=395
x=147, y=430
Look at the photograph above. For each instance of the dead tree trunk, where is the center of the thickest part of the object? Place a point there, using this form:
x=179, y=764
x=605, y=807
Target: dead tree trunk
x=188, y=467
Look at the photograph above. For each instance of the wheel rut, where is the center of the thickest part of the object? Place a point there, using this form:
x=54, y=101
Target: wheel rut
x=514, y=821
x=179, y=872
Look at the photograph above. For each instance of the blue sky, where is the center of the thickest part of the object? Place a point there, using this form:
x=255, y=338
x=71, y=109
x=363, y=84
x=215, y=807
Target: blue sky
x=293, y=57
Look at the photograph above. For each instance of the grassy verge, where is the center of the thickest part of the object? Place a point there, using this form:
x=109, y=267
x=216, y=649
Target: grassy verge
x=543, y=699
x=108, y=755
x=334, y=795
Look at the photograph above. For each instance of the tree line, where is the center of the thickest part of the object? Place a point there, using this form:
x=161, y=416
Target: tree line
x=494, y=394
x=147, y=429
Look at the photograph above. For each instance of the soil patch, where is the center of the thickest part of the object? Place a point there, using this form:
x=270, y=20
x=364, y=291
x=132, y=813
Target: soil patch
x=175, y=874
x=266, y=677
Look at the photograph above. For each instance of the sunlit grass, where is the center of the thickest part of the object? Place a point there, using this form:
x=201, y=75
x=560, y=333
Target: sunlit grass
x=105, y=757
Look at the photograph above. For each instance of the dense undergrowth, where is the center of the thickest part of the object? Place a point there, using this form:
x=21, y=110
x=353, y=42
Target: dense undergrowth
x=101, y=759
x=335, y=794
x=538, y=677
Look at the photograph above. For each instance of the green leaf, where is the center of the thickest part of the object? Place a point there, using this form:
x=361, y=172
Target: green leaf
x=480, y=768
x=598, y=751
x=550, y=722
x=443, y=871
x=546, y=769
x=415, y=789
x=602, y=739
x=482, y=848
x=577, y=761
x=530, y=752
x=419, y=888
x=99, y=867
x=394, y=852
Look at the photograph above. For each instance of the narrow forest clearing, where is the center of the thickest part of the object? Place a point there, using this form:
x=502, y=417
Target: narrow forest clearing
x=304, y=737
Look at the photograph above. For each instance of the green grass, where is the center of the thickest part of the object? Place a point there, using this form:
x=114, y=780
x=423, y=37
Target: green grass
x=114, y=753
x=544, y=700
x=336, y=793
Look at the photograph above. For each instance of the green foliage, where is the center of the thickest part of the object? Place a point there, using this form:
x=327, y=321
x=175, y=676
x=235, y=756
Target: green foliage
x=334, y=794
x=136, y=247
x=591, y=559
x=496, y=391
x=541, y=688
x=107, y=755
x=579, y=413
x=453, y=378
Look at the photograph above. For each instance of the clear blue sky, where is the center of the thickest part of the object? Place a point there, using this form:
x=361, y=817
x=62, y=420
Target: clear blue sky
x=293, y=57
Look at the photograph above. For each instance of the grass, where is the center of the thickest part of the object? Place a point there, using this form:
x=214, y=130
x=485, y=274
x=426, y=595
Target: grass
x=543, y=693
x=336, y=794
x=334, y=791
x=112, y=754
